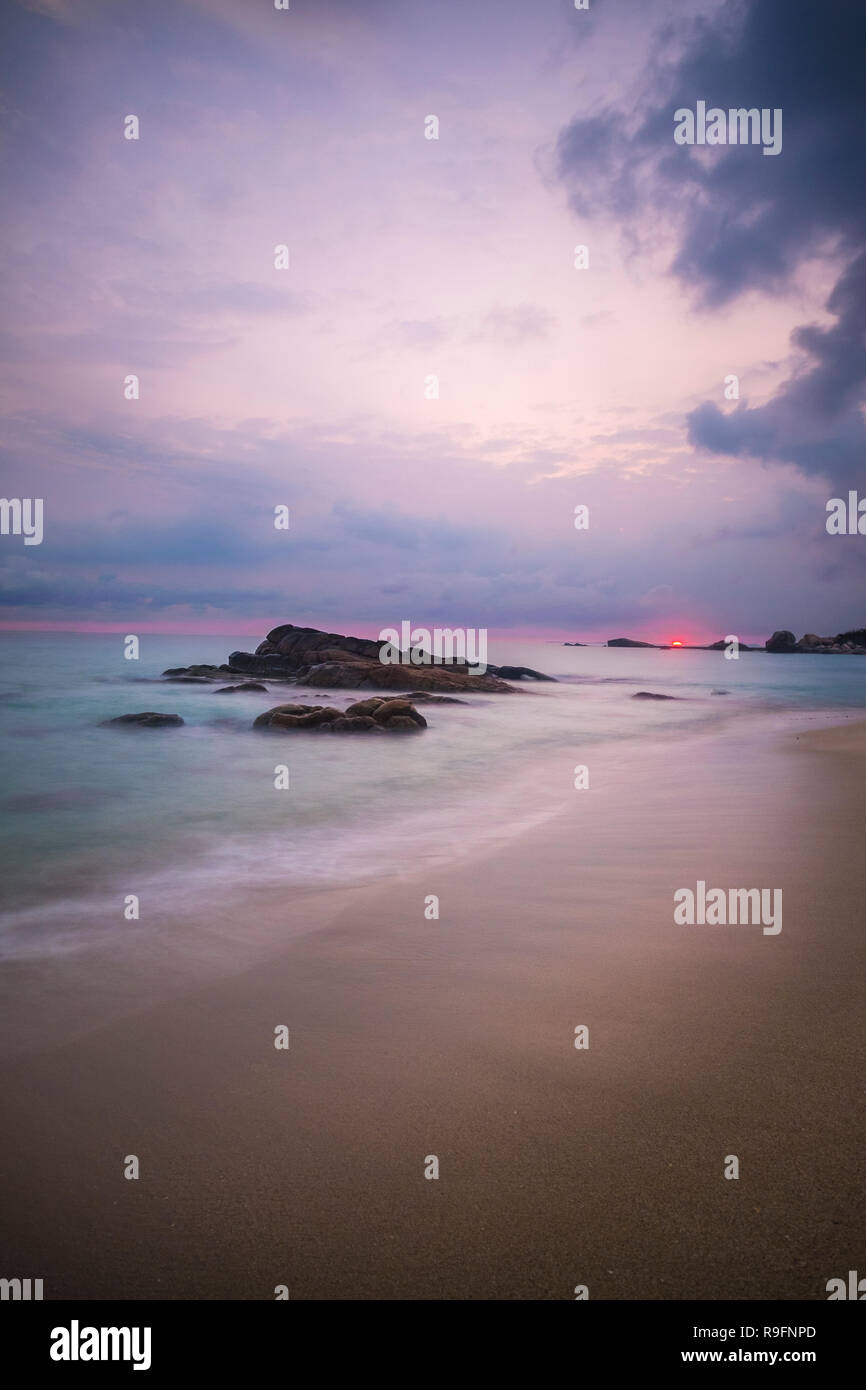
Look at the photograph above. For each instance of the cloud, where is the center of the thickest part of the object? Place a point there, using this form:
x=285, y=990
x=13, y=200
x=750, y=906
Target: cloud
x=746, y=222
x=815, y=419
x=743, y=220
x=515, y=326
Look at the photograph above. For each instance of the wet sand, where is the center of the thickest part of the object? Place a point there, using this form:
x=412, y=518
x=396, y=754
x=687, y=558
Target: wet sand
x=455, y=1037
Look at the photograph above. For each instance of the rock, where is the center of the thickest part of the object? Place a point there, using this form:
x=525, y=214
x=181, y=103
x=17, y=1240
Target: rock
x=245, y=685
x=318, y=714
x=781, y=641
x=720, y=692
x=148, y=719
x=200, y=674
x=365, y=707
x=427, y=698
x=373, y=675
x=271, y=665
x=627, y=642
x=389, y=710
x=309, y=657
x=264, y=720
x=289, y=640
x=367, y=716
x=648, y=695
x=518, y=673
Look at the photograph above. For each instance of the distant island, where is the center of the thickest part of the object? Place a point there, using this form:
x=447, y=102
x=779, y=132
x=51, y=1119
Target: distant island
x=852, y=643
x=680, y=646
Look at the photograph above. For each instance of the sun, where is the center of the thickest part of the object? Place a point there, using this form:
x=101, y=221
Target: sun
x=676, y=644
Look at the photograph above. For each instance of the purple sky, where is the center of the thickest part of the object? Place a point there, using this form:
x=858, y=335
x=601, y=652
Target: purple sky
x=411, y=258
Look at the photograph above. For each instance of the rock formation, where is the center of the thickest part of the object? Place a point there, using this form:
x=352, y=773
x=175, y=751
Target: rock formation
x=781, y=641
x=844, y=643
x=305, y=656
x=366, y=716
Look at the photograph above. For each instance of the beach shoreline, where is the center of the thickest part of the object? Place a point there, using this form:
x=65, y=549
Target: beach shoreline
x=454, y=1037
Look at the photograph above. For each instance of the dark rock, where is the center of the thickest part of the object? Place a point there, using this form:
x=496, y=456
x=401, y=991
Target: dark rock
x=200, y=674
x=245, y=685
x=291, y=641
x=271, y=665
x=518, y=673
x=309, y=657
x=649, y=695
x=720, y=692
x=428, y=699
x=148, y=719
x=373, y=675
x=781, y=641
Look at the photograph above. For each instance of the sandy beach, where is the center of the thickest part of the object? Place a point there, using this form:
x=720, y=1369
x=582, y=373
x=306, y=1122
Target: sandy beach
x=601, y=1166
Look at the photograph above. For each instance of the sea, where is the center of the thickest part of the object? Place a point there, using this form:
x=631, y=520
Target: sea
x=180, y=817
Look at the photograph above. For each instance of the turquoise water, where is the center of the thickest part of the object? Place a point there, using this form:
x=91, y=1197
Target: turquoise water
x=90, y=813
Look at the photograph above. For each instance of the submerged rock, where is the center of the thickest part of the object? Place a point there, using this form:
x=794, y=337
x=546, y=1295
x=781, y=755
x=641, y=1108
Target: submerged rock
x=198, y=671
x=649, y=695
x=518, y=673
x=147, y=719
x=245, y=685
x=426, y=698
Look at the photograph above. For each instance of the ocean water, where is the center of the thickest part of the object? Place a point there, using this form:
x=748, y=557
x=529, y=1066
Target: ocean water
x=180, y=815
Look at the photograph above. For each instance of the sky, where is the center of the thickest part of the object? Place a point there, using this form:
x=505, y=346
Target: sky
x=410, y=258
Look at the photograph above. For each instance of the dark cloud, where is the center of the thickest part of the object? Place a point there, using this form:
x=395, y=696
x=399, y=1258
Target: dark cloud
x=746, y=221
x=814, y=420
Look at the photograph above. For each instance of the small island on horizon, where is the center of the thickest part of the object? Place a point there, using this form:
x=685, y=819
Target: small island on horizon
x=852, y=643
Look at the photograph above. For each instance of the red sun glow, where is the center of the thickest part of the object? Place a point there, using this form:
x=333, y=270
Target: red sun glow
x=676, y=644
